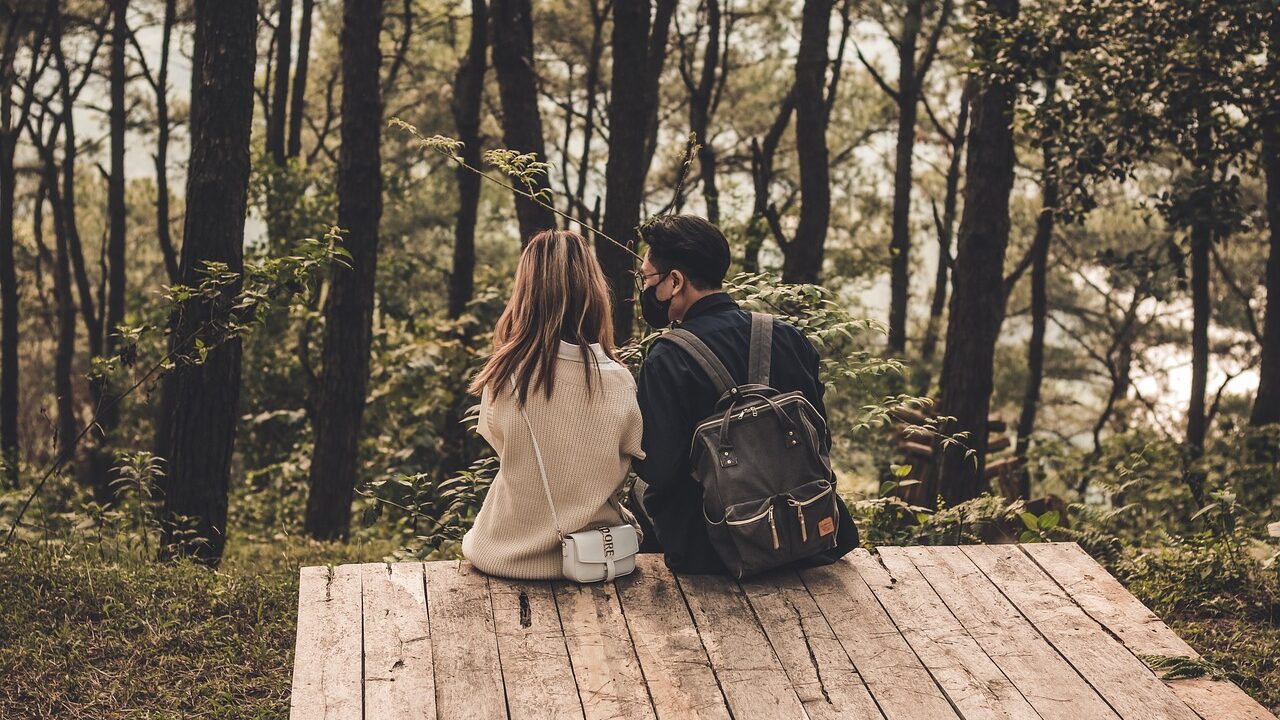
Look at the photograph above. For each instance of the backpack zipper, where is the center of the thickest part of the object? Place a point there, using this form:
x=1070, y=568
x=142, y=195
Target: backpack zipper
x=800, y=506
x=773, y=526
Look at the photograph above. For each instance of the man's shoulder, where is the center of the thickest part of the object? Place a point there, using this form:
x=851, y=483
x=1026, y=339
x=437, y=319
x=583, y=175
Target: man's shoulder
x=789, y=333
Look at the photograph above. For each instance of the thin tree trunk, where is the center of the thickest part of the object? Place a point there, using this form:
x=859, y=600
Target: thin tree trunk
x=762, y=155
x=900, y=244
x=624, y=172
x=64, y=355
x=162, y=146
x=298, y=101
x=1201, y=242
x=349, y=308
x=977, y=302
x=468, y=92
x=1039, y=294
x=633, y=110
x=202, y=424
x=599, y=14
x=8, y=276
x=946, y=231
x=1266, y=406
x=805, y=252
x=101, y=458
x=700, y=97
x=280, y=91
x=518, y=90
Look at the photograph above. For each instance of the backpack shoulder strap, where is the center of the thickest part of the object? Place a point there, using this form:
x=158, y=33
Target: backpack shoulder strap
x=702, y=354
x=761, y=349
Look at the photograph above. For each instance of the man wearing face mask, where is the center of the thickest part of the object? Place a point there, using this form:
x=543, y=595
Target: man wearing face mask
x=681, y=282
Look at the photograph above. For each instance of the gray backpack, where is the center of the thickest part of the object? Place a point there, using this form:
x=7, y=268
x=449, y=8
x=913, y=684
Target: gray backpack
x=768, y=492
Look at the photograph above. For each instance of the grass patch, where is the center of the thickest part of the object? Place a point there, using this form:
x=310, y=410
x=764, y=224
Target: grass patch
x=83, y=636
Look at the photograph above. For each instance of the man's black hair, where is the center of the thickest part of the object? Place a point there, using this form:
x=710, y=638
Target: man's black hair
x=689, y=244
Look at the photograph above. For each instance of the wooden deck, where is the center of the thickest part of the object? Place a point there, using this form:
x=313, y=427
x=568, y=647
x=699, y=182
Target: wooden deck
x=1034, y=632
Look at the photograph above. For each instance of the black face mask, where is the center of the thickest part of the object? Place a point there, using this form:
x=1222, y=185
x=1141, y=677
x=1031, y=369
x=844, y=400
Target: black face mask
x=655, y=311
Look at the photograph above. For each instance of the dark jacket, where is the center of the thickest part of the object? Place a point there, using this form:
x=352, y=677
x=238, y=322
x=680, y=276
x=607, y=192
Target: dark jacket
x=675, y=395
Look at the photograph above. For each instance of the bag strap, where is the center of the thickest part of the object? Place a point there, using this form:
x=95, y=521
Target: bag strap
x=761, y=354
x=702, y=354
x=542, y=470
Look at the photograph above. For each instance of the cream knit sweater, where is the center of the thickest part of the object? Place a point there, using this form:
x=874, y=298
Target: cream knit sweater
x=587, y=439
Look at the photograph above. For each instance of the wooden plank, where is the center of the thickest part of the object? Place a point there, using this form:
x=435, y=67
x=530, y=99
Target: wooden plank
x=753, y=680
x=398, y=671
x=1115, y=608
x=671, y=655
x=1126, y=683
x=326, y=666
x=822, y=674
x=974, y=683
x=610, y=682
x=535, y=659
x=1046, y=680
x=900, y=684
x=463, y=642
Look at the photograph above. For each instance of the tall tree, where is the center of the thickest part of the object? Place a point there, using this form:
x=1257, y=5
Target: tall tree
x=16, y=25
x=468, y=92
x=629, y=116
x=298, y=100
x=201, y=426
x=101, y=458
x=978, y=296
x=704, y=95
x=277, y=120
x=911, y=75
x=349, y=308
x=1039, y=289
x=518, y=91
x=944, y=225
x=804, y=253
x=1266, y=405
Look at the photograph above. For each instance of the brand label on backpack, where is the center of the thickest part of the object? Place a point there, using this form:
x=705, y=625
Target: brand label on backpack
x=826, y=526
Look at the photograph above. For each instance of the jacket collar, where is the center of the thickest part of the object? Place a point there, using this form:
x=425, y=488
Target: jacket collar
x=716, y=302
x=569, y=351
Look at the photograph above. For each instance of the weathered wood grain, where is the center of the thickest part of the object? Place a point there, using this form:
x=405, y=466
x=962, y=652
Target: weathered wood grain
x=1117, y=674
x=753, y=680
x=531, y=645
x=326, y=666
x=464, y=643
x=974, y=683
x=1112, y=606
x=822, y=674
x=1044, y=677
x=610, y=682
x=399, y=679
x=900, y=684
x=671, y=655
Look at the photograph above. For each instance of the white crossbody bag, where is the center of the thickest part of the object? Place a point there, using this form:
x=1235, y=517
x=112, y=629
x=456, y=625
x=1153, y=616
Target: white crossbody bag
x=596, y=554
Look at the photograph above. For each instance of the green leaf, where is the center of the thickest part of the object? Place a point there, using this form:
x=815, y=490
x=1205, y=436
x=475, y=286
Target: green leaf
x=900, y=470
x=1049, y=520
x=1030, y=520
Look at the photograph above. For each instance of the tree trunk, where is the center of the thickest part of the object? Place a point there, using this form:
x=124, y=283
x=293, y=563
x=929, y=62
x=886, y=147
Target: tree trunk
x=700, y=97
x=1266, y=406
x=162, y=146
x=1039, y=294
x=202, y=424
x=468, y=91
x=518, y=90
x=762, y=155
x=101, y=457
x=349, y=308
x=8, y=275
x=1201, y=243
x=977, y=302
x=280, y=91
x=804, y=254
x=298, y=102
x=900, y=243
x=946, y=230
x=632, y=123
x=64, y=355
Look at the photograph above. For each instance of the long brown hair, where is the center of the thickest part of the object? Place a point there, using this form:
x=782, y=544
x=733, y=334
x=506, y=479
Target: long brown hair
x=559, y=294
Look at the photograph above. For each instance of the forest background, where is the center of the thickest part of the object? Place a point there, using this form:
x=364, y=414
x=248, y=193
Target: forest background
x=1036, y=241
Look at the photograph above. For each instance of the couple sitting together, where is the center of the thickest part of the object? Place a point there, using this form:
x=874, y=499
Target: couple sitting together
x=725, y=427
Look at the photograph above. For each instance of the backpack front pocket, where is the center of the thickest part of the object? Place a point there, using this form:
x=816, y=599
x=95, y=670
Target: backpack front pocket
x=756, y=534
x=813, y=516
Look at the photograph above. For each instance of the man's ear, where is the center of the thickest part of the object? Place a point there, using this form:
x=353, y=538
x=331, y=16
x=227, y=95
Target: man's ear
x=678, y=280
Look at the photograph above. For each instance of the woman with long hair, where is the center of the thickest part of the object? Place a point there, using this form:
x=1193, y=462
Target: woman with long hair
x=553, y=361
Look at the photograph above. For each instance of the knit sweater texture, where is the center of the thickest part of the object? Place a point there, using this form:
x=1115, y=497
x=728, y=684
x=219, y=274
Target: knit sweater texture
x=588, y=438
